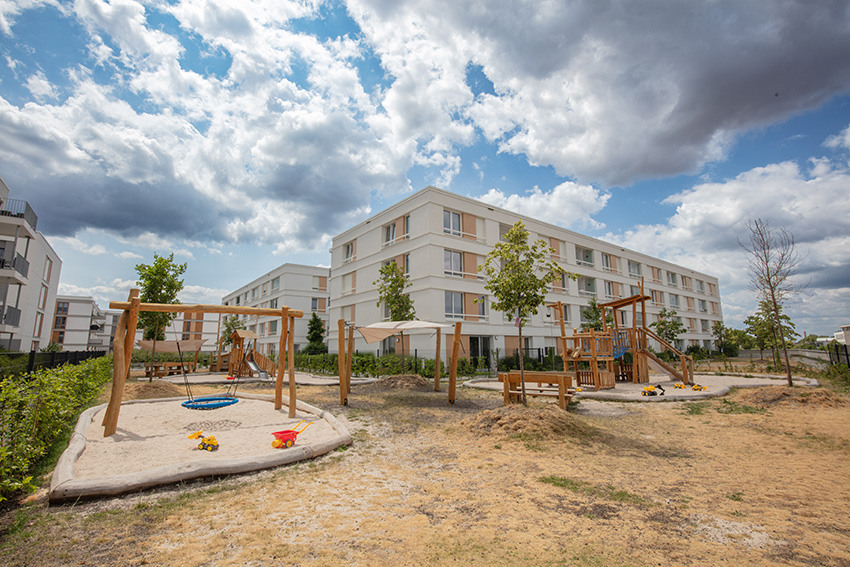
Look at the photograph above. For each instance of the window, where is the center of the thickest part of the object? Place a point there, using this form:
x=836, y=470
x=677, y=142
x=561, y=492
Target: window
x=275, y=283
x=238, y=300
x=674, y=300
x=609, y=289
x=61, y=307
x=482, y=305
x=273, y=327
x=58, y=337
x=314, y=304
x=657, y=297
x=639, y=319
x=700, y=286
x=39, y=319
x=42, y=298
x=254, y=293
x=451, y=223
x=48, y=269
x=686, y=283
x=634, y=290
x=348, y=283
x=609, y=263
x=656, y=275
x=587, y=286
x=59, y=322
x=704, y=325
x=407, y=226
x=454, y=305
x=348, y=252
x=273, y=303
x=584, y=257
x=634, y=269
x=452, y=263
x=672, y=280
x=265, y=289
x=389, y=234
x=320, y=283
x=703, y=308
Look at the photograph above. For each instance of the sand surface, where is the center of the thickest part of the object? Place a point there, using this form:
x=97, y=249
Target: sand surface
x=154, y=434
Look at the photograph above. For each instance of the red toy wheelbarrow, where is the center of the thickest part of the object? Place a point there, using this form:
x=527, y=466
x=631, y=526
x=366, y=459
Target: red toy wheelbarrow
x=286, y=438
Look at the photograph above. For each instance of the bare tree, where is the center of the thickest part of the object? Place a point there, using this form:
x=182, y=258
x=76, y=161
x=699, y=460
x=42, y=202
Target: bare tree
x=773, y=264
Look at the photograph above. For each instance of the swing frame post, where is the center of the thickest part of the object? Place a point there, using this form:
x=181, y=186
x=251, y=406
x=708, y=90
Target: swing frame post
x=125, y=336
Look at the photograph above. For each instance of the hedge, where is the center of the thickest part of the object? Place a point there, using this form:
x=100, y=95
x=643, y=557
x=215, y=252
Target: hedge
x=35, y=409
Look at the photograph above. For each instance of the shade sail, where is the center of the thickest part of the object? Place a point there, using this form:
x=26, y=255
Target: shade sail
x=379, y=331
x=171, y=346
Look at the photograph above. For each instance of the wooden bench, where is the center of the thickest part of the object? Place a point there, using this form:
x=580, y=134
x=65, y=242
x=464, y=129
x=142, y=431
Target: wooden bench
x=160, y=369
x=549, y=384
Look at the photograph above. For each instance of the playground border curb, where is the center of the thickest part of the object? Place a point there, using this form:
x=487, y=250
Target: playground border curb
x=65, y=485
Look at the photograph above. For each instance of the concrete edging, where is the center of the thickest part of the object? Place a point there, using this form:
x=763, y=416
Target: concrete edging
x=66, y=486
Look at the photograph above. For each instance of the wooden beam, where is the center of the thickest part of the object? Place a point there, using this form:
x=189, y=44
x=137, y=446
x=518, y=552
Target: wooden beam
x=437, y=362
x=200, y=308
x=281, y=360
x=117, y=368
x=349, y=359
x=341, y=365
x=455, y=354
x=291, y=357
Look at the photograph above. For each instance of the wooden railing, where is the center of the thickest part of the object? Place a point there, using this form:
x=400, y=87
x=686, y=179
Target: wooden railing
x=265, y=364
x=687, y=362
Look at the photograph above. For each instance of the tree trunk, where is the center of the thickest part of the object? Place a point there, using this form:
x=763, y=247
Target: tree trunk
x=782, y=343
x=522, y=365
x=402, y=351
x=153, y=354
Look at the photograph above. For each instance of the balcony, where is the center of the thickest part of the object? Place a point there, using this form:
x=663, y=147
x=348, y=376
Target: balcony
x=19, y=209
x=18, y=264
x=12, y=316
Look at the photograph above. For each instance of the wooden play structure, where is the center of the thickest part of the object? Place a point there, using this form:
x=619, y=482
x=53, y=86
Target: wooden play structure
x=378, y=331
x=125, y=334
x=603, y=351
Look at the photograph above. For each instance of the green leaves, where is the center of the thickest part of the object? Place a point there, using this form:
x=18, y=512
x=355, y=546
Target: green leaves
x=391, y=285
x=668, y=326
x=159, y=282
x=519, y=275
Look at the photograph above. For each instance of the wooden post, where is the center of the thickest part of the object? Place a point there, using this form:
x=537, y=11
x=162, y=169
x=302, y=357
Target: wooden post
x=437, y=362
x=281, y=363
x=117, y=370
x=291, y=357
x=349, y=359
x=341, y=364
x=453, y=372
x=563, y=340
x=130, y=339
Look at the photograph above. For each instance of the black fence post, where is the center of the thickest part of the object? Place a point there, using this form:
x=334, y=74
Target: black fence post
x=31, y=363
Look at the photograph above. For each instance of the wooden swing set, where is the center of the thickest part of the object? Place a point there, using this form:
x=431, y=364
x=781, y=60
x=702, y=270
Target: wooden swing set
x=125, y=335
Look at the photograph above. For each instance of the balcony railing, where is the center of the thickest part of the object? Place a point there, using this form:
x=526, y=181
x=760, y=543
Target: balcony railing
x=19, y=209
x=12, y=316
x=19, y=264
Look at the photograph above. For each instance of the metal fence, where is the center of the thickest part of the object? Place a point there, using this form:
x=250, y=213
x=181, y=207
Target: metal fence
x=839, y=354
x=17, y=363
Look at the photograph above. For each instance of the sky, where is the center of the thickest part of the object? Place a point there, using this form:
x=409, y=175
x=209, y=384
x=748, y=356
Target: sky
x=240, y=135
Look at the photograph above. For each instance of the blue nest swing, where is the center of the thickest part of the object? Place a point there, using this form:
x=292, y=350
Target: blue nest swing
x=209, y=402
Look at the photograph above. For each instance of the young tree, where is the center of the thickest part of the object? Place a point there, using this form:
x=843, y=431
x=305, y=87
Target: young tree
x=668, y=326
x=391, y=285
x=315, y=336
x=592, y=317
x=720, y=332
x=773, y=264
x=519, y=276
x=159, y=282
x=231, y=324
x=741, y=339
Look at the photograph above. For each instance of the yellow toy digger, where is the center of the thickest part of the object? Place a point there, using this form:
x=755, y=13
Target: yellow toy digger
x=207, y=443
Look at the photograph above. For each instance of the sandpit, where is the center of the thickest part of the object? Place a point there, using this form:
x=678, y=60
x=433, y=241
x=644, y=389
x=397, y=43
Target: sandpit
x=151, y=447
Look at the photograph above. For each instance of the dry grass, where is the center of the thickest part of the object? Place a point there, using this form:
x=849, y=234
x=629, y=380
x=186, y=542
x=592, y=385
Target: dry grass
x=475, y=484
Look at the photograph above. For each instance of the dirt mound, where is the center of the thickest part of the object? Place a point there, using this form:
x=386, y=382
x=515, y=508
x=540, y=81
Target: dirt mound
x=151, y=390
x=785, y=396
x=548, y=421
x=401, y=382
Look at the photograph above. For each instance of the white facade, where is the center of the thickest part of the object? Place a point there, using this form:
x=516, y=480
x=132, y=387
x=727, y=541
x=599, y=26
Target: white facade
x=79, y=324
x=294, y=285
x=29, y=277
x=441, y=239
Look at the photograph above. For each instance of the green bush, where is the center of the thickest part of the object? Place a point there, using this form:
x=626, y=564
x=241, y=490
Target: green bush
x=37, y=408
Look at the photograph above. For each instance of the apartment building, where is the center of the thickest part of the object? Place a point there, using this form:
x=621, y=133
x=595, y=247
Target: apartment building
x=440, y=239
x=29, y=277
x=294, y=285
x=79, y=324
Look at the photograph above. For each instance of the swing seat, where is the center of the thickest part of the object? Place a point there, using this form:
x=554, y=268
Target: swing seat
x=209, y=402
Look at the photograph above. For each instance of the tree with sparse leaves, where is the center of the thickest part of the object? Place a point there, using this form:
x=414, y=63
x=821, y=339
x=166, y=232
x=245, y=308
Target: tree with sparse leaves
x=391, y=285
x=315, y=336
x=519, y=276
x=159, y=282
x=773, y=265
x=668, y=326
x=230, y=325
x=591, y=317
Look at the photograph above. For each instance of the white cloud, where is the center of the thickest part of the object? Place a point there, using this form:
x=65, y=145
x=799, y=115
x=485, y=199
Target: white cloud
x=568, y=205
x=711, y=218
x=80, y=246
x=40, y=87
